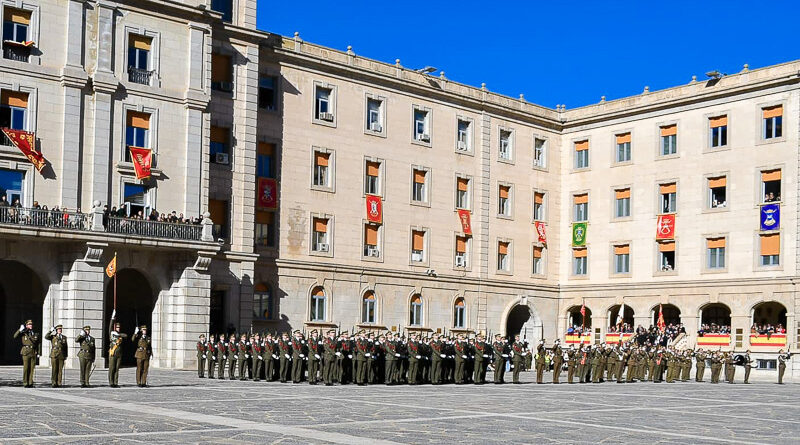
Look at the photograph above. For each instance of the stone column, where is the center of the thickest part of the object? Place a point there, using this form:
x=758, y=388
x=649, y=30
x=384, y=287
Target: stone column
x=196, y=101
x=104, y=86
x=245, y=115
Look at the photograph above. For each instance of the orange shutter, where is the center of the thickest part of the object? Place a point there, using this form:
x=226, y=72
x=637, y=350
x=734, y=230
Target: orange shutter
x=266, y=149
x=416, y=299
x=771, y=244
x=373, y=168
x=371, y=234
x=138, y=120
x=623, y=138
x=18, y=16
x=720, y=121
x=264, y=217
x=140, y=42
x=538, y=198
x=666, y=246
x=319, y=292
x=669, y=130
x=419, y=176
x=502, y=248
x=622, y=193
x=14, y=99
x=504, y=191
x=369, y=295
x=622, y=250
x=775, y=111
x=771, y=175
x=717, y=182
x=321, y=159
x=320, y=225
x=462, y=184
x=220, y=68
x=460, y=302
x=581, y=199
x=667, y=188
x=219, y=211
x=537, y=252
x=582, y=145
x=713, y=243
x=579, y=253
x=219, y=134
x=461, y=244
x=417, y=240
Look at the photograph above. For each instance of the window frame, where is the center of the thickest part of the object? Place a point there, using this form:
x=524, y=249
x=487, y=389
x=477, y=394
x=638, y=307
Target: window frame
x=544, y=205
x=761, y=122
x=467, y=252
x=459, y=313
x=426, y=186
x=707, y=253
x=545, y=151
x=275, y=92
x=152, y=136
x=364, y=311
x=574, y=208
x=615, y=202
x=659, y=155
x=315, y=304
x=379, y=246
x=543, y=260
x=615, y=161
x=708, y=192
x=760, y=184
x=425, y=246
x=331, y=170
x=267, y=302
x=416, y=310
x=508, y=201
x=573, y=269
x=509, y=257
x=575, y=141
x=758, y=260
x=329, y=234
x=369, y=97
x=427, y=123
x=33, y=29
x=470, y=132
x=511, y=144
x=381, y=177
x=316, y=112
x=658, y=267
x=710, y=147
x=659, y=196
x=467, y=194
x=615, y=258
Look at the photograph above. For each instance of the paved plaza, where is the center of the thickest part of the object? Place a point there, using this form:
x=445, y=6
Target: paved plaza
x=180, y=408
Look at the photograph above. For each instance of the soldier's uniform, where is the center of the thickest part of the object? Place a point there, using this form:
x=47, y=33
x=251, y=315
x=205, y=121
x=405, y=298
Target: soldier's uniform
x=362, y=353
x=437, y=355
x=329, y=354
x=211, y=356
x=243, y=354
x=540, y=359
x=58, y=354
x=86, y=354
x=460, y=354
x=256, y=357
x=730, y=368
x=500, y=356
x=481, y=352
x=115, y=354
x=201, y=356
x=518, y=358
x=233, y=354
x=571, y=363
x=270, y=353
x=782, y=359
x=748, y=363
x=390, y=360
x=29, y=352
x=558, y=361
x=222, y=356
x=716, y=367
x=414, y=356
x=285, y=351
x=314, y=358
x=298, y=354
x=583, y=360
x=700, y=365
x=687, y=365
x=144, y=350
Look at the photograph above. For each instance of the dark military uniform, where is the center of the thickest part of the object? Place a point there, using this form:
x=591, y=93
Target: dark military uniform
x=748, y=364
x=201, y=356
x=329, y=354
x=414, y=357
x=298, y=354
x=460, y=355
x=558, y=361
x=518, y=360
x=500, y=356
x=233, y=353
x=222, y=357
x=58, y=354
x=390, y=361
x=257, y=358
x=362, y=353
x=285, y=351
x=29, y=352
x=314, y=358
x=572, y=356
x=270, y=353
x=115, y=355
x=700, y=365
x=782, y=359
x=144, y=350
x=86, y=354
x=243, y=354
x=211, y=357
x=481, y=351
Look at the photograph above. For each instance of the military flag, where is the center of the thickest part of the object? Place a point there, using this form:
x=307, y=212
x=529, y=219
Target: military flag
x=142, y=161
x=579, y=234
x=374, y=209
x=466, y=224
x=26, y=143
x=770, y=217
x=111, y=269
x=661, y=324
x=665, y=227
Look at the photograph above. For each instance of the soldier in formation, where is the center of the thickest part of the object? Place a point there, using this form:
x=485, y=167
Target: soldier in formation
x=29, y=351
x=58, y=354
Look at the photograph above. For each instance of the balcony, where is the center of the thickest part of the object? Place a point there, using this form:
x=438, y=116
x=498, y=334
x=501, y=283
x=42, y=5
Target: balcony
x=154, y=229
x=714, y=340
x=55, y=219
x=776, y=341
x=140, y=76
x=16, y=51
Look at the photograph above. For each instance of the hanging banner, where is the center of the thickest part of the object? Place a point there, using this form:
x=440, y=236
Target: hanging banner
x=540, y=231
x=26, y=143
x=665, y=227
x=142, y=159
x=466, y=224
x=579, y=234
x=374, y=209
x=267, y=198
x=770, y=217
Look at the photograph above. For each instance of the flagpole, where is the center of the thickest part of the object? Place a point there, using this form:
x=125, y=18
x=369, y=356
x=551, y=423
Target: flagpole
x=115, y=282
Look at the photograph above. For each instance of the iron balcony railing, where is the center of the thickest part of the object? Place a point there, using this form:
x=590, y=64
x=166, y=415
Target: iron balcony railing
x=154, y=229
x=16, y=52
x=56, y=219
x=138, y=75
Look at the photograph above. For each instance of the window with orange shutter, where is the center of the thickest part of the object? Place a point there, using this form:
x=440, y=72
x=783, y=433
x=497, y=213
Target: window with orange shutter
x=772, y=122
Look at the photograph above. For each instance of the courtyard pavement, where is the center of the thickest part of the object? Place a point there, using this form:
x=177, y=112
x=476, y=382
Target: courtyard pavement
x=180, y=408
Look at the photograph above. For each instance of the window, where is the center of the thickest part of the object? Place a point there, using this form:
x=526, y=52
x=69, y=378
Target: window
x=318, y=304
x=267, y=97
x=462, y=251
x=137, y=201
x=218, y=147
x=11, y=185
x=368, y=307
x=539, y=153
x=219, y=216
x=459, y=314
x=16, y=44
x=462, y=193
x=622, y=259
x=372, y=178
x=137, y=131
x=669, y=140
x=418, y=246
x=582, y=154
x=538, y=260
x=319, y=242
x=265, y=160
x=504, y=200
x=716, y=253
x=262, y=302
x=371, y=248
x=419, y=192
x=503, y=258
x=581, y=207
x=415, y=318
x=579, y=261
x=666, y=256
x=464, y=138
x=323, y=105
x=422, y=125
x=773, y=122
x=770, y=249
x=506, y=145
x=668, y=196
x=221, y=73
x=321, y=174
x=622, y=203
x=771, y=185
x=717, y=196
x=13, y=112
x=225, y=7
x=375, y=115
x=265, y=229
x=623, y=153
x=719, y=131
x=538, y=206
x=139, y=48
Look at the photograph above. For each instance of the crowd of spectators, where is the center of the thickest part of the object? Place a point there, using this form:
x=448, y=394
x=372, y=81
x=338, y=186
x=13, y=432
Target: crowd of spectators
x=713, y=328
x=772, y=197
x=154, y=215
x=766, y=329
x=621, y=328
x=579, y=330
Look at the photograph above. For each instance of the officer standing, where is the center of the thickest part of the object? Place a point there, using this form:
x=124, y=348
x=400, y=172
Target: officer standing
x=481, y=351
x=558, y=360
x=329, y=354
x=748, y=363
x=86, y=354
x=233, y=352
x=571, y=362
x=700, y=365
x=222, y=356
x=314, y=357
x=258, y=359
x=518, y=358
x=500, y=356
x=144, y=350
x=115, y=354
x=201, y=355
x=298, y=354
x=29, y=351
x=285, y=351
x=782, y=359
x=211, y=355
x=270, y=353
x=58, y=353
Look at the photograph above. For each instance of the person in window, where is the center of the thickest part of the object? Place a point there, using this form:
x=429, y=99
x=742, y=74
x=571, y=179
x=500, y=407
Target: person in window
x=153, y=215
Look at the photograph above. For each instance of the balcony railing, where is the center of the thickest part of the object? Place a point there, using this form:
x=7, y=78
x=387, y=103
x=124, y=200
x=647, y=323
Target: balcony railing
x=56, y=219
x=18, y=53
x=138, y=75
x=154, y=229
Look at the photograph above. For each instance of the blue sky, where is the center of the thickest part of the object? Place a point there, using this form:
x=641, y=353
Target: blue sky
x=553, y=52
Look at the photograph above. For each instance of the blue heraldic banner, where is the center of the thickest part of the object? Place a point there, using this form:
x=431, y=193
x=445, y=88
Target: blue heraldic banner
x=770, y=217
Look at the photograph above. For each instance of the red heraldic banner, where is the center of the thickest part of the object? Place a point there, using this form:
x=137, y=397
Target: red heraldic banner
x=466, y=224
x=540, y=231
x=142, y=161
x=665, y=227
x=374, y=209
x=267, y=193
x=26, y=143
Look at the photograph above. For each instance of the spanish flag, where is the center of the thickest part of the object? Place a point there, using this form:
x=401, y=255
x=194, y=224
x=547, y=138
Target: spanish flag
x=111, y=269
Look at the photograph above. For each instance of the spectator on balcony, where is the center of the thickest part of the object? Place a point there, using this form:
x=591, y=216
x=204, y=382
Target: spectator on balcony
x=153, y=215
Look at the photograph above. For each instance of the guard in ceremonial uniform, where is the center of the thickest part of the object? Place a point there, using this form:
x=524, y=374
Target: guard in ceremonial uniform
x=270, y=353
x=144, y=350
x=518, y=358
x=211, y=355
x=500, y=357
x=730, y=368
x=414, y=357
x=86, y=354
x=716, y=366
x=390, y=359
x=748, y=363
x=58, y=353
x=233, y=354
x=481, y=352
x=298, y=354
x=314, y=357
x=201, y=356
x=540, y=361
x=782, y=359
x=29, y=352
x=362, y=353
x=572, y=356
x=243, y=354
x=700, y=365
x=285, y=351
x=258, y=360
x=222, y=356
x=460, y=354
x=558, y=360
x=115, y=354
x=329, y=353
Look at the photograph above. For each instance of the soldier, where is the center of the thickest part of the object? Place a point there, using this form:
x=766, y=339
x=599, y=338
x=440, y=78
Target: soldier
x=86, y=354
x=58, y=353
x=716, y=366
x=571, y=362
x=314, y=357
x=298, y=354
x=518, y=354
x=481, y=353
x=700, y=365
x=596, y=364
x=390, y=359
x=29, y=352
x=558, y=360
x=258, y=359
x=329, y=353
x=414, y=357
x=202, y=351
x=115, y=354
x=345, y=371
x=243, y=356
x=144, y=350
x=437, y=354
x=460, y=351
x=687, y=365
x=373, y=345
x=782, y=359
x=362, y=354
x=730, y=367
x=658, y=365
x=211, y=355
x=269, y=355
x=233, y=356
x=748, y=363
x=619, y=362
x=540, y=360
x=583, y=360
x=222, y=356
x=500, y=357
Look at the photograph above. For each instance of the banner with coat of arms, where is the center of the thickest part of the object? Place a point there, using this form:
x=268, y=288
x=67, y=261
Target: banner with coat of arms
x=466, y=224
x=579, y=234
x=26, y=143
x=374, y=209
x=267, y=198
x=142, y=159
x=770, y=217
x=665, y=227
x=540, y=232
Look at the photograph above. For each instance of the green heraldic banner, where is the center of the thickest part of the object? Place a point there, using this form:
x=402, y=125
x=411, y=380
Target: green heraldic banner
x=579, y=234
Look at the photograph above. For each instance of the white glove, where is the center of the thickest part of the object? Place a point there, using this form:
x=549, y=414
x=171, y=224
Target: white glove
x=419, y=357
x=317, y=356
x=349, y=355
x=463, y=356
x=53, y=329
x=247, y=356
x=338, y=354
x=485, y=356
x=397, y=355
x=204, y=356
x=274, y=356
x=505, y=355
x=136, y=330
x=260, y=357
x=443, y=355
x=287, y=355
x=302, y=356
x=21, y=327
x=524, y=354
x=367, y=354
x=512, y=366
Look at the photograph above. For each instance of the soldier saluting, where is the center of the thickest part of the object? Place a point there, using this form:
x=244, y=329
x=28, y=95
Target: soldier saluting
x=58, y=353
x=29, y=351
x=144, y=350
x=86, y=354
x=115, y=354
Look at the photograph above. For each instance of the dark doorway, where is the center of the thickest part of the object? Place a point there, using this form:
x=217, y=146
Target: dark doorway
x=135, y=300
x=672, y=315
x=21, y=298
x=216, y=317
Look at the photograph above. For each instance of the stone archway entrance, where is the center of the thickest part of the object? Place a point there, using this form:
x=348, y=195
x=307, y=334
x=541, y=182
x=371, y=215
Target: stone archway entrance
x=135, y=302
x=21, y=298
x=523, y=320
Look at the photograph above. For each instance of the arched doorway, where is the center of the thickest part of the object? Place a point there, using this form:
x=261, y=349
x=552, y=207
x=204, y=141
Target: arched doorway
x=577, y=320
x=21, y=298
x=523, y=321
x=770, y=313
x=715, y=317
x=626, y=325
x=135, y=301
x=672, y=315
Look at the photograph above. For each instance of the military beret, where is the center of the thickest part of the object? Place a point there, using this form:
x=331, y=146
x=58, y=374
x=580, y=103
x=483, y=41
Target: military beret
x=58, y=326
